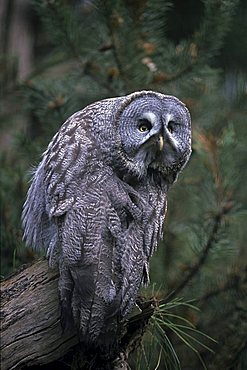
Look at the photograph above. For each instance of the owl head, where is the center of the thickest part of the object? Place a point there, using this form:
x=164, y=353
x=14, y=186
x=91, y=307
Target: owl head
x=155, y=134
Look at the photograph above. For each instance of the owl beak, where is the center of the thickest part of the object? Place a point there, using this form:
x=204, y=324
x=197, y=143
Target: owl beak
x=161, y=143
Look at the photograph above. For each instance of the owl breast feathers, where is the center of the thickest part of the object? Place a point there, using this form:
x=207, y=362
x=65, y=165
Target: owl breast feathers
x=97, y=204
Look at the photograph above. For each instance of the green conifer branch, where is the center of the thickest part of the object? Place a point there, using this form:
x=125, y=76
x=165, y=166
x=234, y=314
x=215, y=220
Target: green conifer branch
x=212, y=238
x=109, y=21
x=236, y=280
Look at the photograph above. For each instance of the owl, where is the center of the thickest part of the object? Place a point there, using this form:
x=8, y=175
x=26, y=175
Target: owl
x=97, y=204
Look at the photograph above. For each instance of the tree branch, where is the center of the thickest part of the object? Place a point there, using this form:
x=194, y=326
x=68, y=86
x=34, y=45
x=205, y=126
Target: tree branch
x=235, y=281
x=114, y=47
x=204, y=253
x=31, y=333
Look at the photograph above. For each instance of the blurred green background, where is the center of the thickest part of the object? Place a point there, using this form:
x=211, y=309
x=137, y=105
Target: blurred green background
x=57, y=56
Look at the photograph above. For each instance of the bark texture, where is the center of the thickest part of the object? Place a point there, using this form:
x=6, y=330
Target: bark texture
x=31, y=333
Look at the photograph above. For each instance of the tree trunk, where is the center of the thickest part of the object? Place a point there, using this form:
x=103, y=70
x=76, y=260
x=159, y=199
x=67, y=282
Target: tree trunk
x=30, y=319
x=20, y=40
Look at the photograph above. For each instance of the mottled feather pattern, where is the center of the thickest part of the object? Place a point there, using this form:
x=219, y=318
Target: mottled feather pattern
x=97, y=204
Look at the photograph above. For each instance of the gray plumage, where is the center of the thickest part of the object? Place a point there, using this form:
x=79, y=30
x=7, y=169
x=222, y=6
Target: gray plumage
x=97, y=203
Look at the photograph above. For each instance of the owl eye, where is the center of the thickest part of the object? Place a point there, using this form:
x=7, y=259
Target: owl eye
x=171, y=126
x=144, y=125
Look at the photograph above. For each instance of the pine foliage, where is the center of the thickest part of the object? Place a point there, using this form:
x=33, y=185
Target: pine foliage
x=104, y=48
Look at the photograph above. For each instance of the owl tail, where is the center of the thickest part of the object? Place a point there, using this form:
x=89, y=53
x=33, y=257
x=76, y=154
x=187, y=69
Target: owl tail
x=38, y=230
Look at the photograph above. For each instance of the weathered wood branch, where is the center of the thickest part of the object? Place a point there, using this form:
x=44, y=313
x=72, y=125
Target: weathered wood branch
x=31, y=333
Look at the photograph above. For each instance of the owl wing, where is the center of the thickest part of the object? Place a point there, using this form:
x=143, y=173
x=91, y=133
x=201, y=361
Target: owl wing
x=54, y=186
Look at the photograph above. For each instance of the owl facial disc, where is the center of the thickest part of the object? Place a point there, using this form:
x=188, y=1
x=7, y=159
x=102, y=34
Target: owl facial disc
x=155, y=133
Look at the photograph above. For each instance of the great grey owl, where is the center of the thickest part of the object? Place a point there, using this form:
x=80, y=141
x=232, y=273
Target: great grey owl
x=97, y=203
